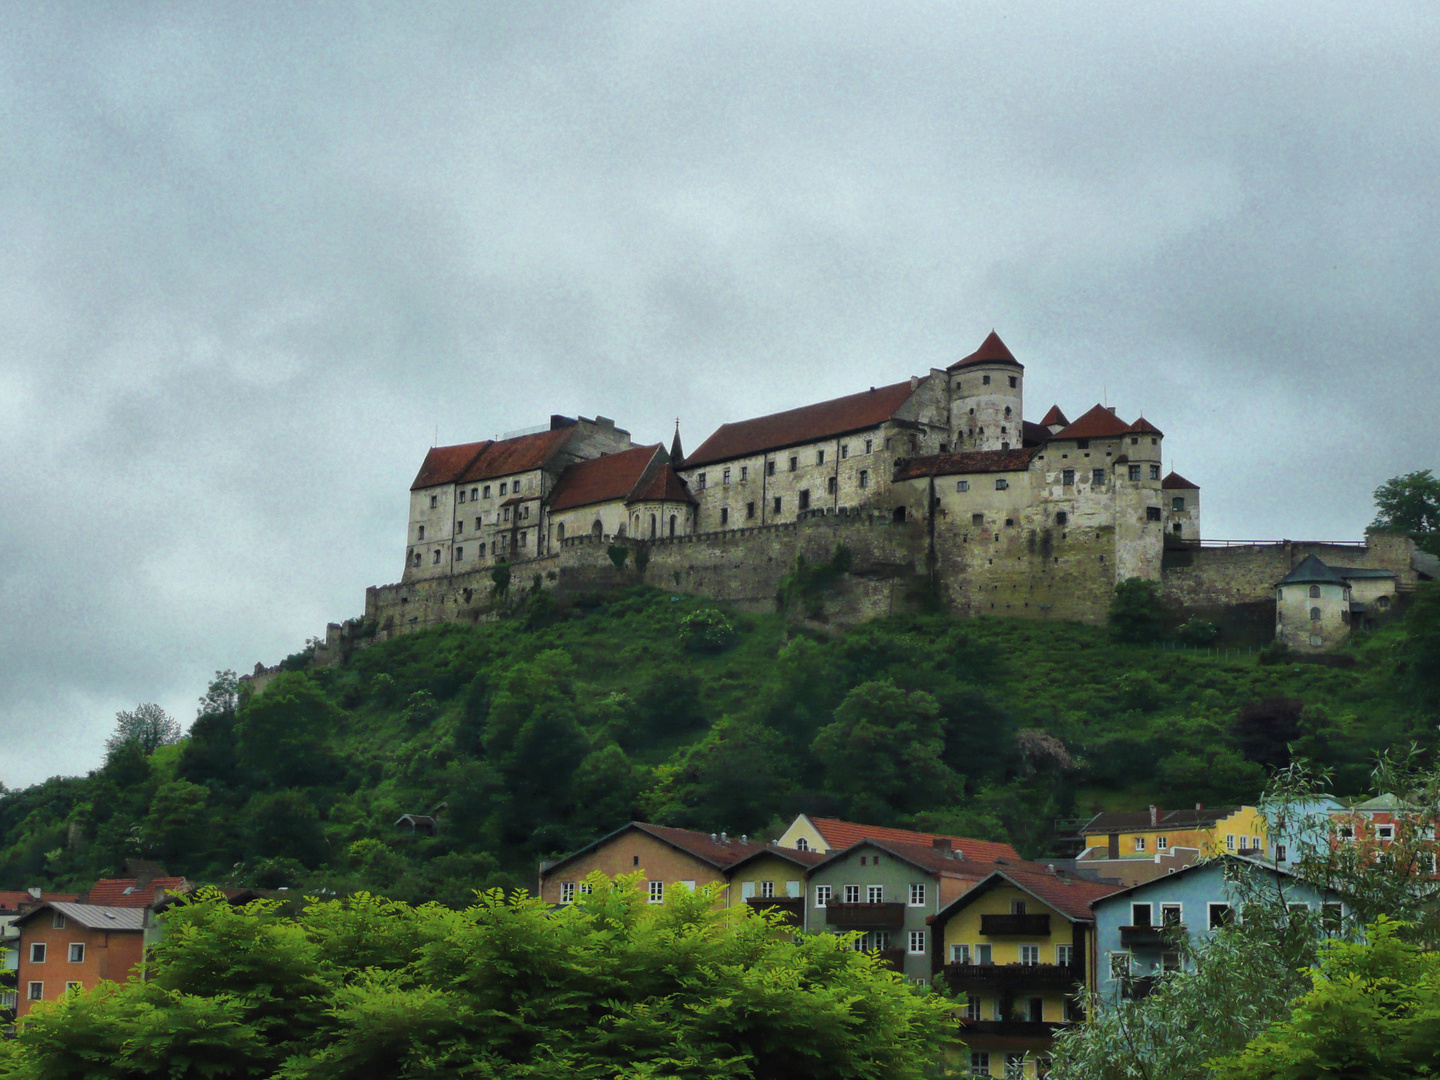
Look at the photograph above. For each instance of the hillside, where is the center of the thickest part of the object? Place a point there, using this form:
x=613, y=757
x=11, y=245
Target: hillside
x=544, y=731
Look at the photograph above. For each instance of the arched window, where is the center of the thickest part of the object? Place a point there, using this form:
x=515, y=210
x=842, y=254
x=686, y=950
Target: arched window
x=597, y=530
x=560, y=532
x=652, y=526
x=1383, y=602
x=417, y=558
x=1314, y=614
x=672, y=525
x=1314, y=592
x=437, y=557
x=802, y=844
x=1007, y=410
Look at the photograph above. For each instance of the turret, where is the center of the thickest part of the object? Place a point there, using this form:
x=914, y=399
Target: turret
x=987, y=398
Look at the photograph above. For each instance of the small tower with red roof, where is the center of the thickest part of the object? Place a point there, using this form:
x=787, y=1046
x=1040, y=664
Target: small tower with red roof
x=987, y=399
x=1182, y=508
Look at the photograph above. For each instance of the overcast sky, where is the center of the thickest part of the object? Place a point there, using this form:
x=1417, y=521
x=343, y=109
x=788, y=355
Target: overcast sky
x=254, y=257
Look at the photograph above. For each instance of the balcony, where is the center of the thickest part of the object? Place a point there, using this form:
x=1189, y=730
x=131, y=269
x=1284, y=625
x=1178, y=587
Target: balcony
x=791, y=907
x=894, y=959
x=865, y=916
x=1033, y=1029
x=1150, y=937
x=1015, y=925
x=1014, y=978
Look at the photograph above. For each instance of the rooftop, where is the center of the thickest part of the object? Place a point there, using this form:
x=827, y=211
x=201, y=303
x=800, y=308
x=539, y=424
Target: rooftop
x=969, y=461
x=602, y=479
x=843, y=834
x=95, y=916
x=1113, y=821
x=991, y=351
x=1312, y=571
x=1099, y=423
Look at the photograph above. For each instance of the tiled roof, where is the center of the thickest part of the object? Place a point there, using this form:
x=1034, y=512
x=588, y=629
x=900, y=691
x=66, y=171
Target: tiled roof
x=14, y=899
x=1069, y=895
x=1357, y=573
x=520, y=454
x=1098, y=423
x=805, y=424
x=1312, y=571
x=95, y=916
x=969, y=461
x=662, y=484
x=718, y=853
x=1144, y=427
x=602, y=479
x=128, y=892
x=1054, y=416
x=992, y=351
x=799, y=858
x=1139, y=820
x=1174, y=482
x=444, y=463
x=844, y=834
x=1034, y=434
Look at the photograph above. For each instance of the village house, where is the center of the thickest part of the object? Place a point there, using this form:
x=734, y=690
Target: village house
x=1317, y=606
x=1131, y=846
x=65, y=946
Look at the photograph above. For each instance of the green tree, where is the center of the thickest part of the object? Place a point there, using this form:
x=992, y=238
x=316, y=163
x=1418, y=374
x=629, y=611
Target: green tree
x=1419, y=653
x=1135, y=614
x=1410, y=504
x=175, y=826
x=148, y=726
x=282, y=735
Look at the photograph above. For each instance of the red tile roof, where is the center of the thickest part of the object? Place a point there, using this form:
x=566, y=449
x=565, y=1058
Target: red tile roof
x=805, y=424
x=720, y=854
x=444, y=463
x=992, y=351
x=844, y=834
x=1071, y=896
x=128, y=892
x=1054, y=416
x=662, y=484
x=1144, y=427
x=521, y=454
x=1098, y=423
x=13, y=900
x=969, y=461
x=1175, y=480
x=602, y=479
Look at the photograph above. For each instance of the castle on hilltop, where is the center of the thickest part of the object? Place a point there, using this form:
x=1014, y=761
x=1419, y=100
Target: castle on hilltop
x=936, y=488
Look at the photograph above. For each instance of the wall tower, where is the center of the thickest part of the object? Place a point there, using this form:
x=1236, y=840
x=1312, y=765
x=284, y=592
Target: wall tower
x=987, y=399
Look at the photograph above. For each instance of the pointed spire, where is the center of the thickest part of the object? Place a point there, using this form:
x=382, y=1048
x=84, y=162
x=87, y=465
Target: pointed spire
x=677, y=452
x=992, y=351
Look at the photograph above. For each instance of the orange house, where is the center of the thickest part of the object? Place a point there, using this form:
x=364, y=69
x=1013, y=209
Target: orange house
x=68, y=946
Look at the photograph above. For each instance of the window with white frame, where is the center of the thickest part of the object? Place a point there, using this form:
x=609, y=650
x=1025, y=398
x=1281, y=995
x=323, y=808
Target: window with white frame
x=73, y=987
x=917, y=942
x=567, y=892
x=77, y=952
x=1064, y=955
x=1171, y=915
x=35, y=992
x=57, y=920
x=822, y=895
x=802, y=844
x=874, y=894
x=1119, y=964
x=917, y=894
x=1244, y=844
x=1162, y=843
x=1385, y=832
x=1230, y=842
x=1029, y=955
x=984, y=954
x=852, y=894
x=979, y=1060
x=959, y=954
x=767, y=890
x=586, y=888
x=1139, y=843
x=657, y=892
x=37, y=952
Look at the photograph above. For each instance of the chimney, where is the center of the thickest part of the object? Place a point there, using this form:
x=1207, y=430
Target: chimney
x=914, y=381
x=713, y=838
x=940, y=842
x=35, y=891
x=1199, y=806
x=1154, y=815
x=744, y=838
x=724, y=839
x=1110, y=409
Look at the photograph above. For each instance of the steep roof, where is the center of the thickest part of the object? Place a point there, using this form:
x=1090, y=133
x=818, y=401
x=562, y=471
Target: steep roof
x=1358, y=573
x=602, y=479
x=969, y=461
x=15, y=899
x=1139, y=820
x=677, y=451
x=720, y=854
x=1069, y=895
x=1175, y=482
x=844, y=834
x=822, y=420
x=1054, y=416
x=661, y=483
x=520, y=454
x=991, y=351
x=1034, y=434
x=443, y=464
x=1311, y=571
x=806, y=859
x=1219, y=865
x=1098, y=423
x=133, y=892
x=93, y=916
x=1144, y=427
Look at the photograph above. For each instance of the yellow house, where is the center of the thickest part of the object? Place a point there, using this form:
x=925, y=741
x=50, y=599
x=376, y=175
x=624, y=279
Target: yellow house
x=773, y=879
x=1138, y=846
x=1020, y=948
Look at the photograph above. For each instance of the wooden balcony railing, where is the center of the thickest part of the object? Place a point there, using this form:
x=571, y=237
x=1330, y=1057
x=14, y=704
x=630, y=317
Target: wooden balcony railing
x=792, y=907
x=1032, y=1028
x=1015, y=978
x=865, y=916
x=1015, y=925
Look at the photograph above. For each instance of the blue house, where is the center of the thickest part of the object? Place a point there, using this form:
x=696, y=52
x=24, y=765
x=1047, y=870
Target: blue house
x=1136, y=929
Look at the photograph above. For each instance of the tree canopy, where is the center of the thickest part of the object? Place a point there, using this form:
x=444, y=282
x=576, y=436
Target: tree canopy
x=1410, y=504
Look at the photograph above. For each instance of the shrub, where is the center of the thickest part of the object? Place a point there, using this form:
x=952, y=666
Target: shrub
x=1135, y=611
x=1197, y=631
x=618, y=554
x=500, y=579
x=707, y=630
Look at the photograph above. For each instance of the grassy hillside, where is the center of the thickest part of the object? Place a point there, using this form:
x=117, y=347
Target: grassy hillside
x=542, y=732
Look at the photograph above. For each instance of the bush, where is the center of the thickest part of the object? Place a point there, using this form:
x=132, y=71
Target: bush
x=618, y=554
x=1197, y=631
x=707, y=630
x=1135, y=614
x=500, y=579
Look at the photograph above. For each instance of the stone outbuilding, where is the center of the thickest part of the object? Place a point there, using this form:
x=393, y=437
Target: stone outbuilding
x=1312, y=607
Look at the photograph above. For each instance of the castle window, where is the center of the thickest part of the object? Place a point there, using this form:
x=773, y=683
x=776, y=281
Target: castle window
x=830, y=485
x=944, y=448
x=487, y=491
x=462, y=495
x=1177, y=503
x=1062, y=518
x=1154, y=472
x=700, y=482
x=1067, y=477
x=724, y=515
x=864, y=478
x=1082, y=444
x=867, y=445
x=1007, y=409
x=1097, y=476
x=672, y=523
x=977, y=519
x=474, y=493
x=416, y=559
x=1004, y=446
x=436, y=561
x=794, y=464
x=1014, y=381
x=502, y=489
x=1315, y=592
x=744, y=473
x=507, y=513
x=769, y=468
x=725, y=476
x=524, y=538
x=1134, y=442
x=434, y=501
x=421, y=533
x=804, y=503
x=459, y=554
x=749, y=511
x=1382, y=602
x=844, y=451
x=1176, y=528
x=1154, y=442
x=1152, y=513
x=477, y=524
x=459, y=527
x=1004, y=430
x=819, y=457
x=962, y=485
x=1134, y=472
x=560, y=532
x=1002, y=484
x=777, y=504
x=1314, y=614
x=985, y=380
x=1009, y=522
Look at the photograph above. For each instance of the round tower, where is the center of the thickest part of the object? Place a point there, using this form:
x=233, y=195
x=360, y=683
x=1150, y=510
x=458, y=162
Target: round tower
x=987, y=399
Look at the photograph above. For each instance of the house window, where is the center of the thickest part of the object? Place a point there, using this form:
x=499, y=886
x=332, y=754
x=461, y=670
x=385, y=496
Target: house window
x=1062, y=518
x=776, y=507
x=567, y=892
x=819, y=457
x=35, y=991
x=1314, y=592
x=1152, y=513
x=37, y=952
x=725, y=475
x=459, y=527
x=1219, y=915
x=482, y=551
x=1314, y=614
x=1140, y=914
x=852, y=894
x=962, y=485
x=657, y=892
x=724, y=515
x=74, y=987
x=487, y=491
x=959, y=954
x=1067, y=477
x=804, y=502
x=1162, y=843
x=802, y=844
x=57, y=920
x=502, y=489
x=1280, y=853
x=1082, y=444
x=1119, y=965
x=1230, y=842
x=474, y=494
x=462, y=495
x=1097, y=476
x=749, y=514
x=1064, y=955
x=769, y=468
x=917, y=942
x=864, y=478
x=1017, y=907
x=1030, y=954
x=874, y=894
x=1385, y=832
x=744, y=473
x=984, y=955
x=1170, y=915
x=1134, y=472
x=794, y=463
x=867, y=445
x=767, y=890
x=1015, y=1066
x=700, y=482
x=436, y=560
x=507, y=513
x=1139, y=843
x=822, y=892
x=830, y=485
x=1244, y=844
x=434, y=501
x=917, y=894
x=459, y=554
x=979, y=1059
x=1014, y=382
x=1002, y=484
x=1154, y=472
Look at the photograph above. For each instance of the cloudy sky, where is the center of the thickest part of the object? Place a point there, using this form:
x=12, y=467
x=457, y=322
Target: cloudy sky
x=255, y=258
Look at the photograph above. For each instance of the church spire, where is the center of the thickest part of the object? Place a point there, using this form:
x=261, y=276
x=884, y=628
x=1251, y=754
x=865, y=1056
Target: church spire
x=677, y=452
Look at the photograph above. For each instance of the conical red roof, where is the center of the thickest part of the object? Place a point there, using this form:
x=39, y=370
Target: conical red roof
x=992, y=351
x=1143, y=426
x=1054, y=416
x=1174, y=481
x=1098, y=423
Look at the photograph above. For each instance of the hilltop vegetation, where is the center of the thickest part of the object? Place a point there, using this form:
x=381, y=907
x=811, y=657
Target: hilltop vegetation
x=546, y=730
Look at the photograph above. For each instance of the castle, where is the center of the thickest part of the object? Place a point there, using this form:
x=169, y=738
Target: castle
x=936, y=487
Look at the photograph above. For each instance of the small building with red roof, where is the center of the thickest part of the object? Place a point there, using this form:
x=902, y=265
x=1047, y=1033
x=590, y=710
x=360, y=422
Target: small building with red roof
x=635, y=493
x=1182, y=508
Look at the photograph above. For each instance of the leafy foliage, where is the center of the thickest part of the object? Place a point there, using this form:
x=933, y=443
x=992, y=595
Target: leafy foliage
x=1135, y=614
x=147, y=726
x=1410, y=504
